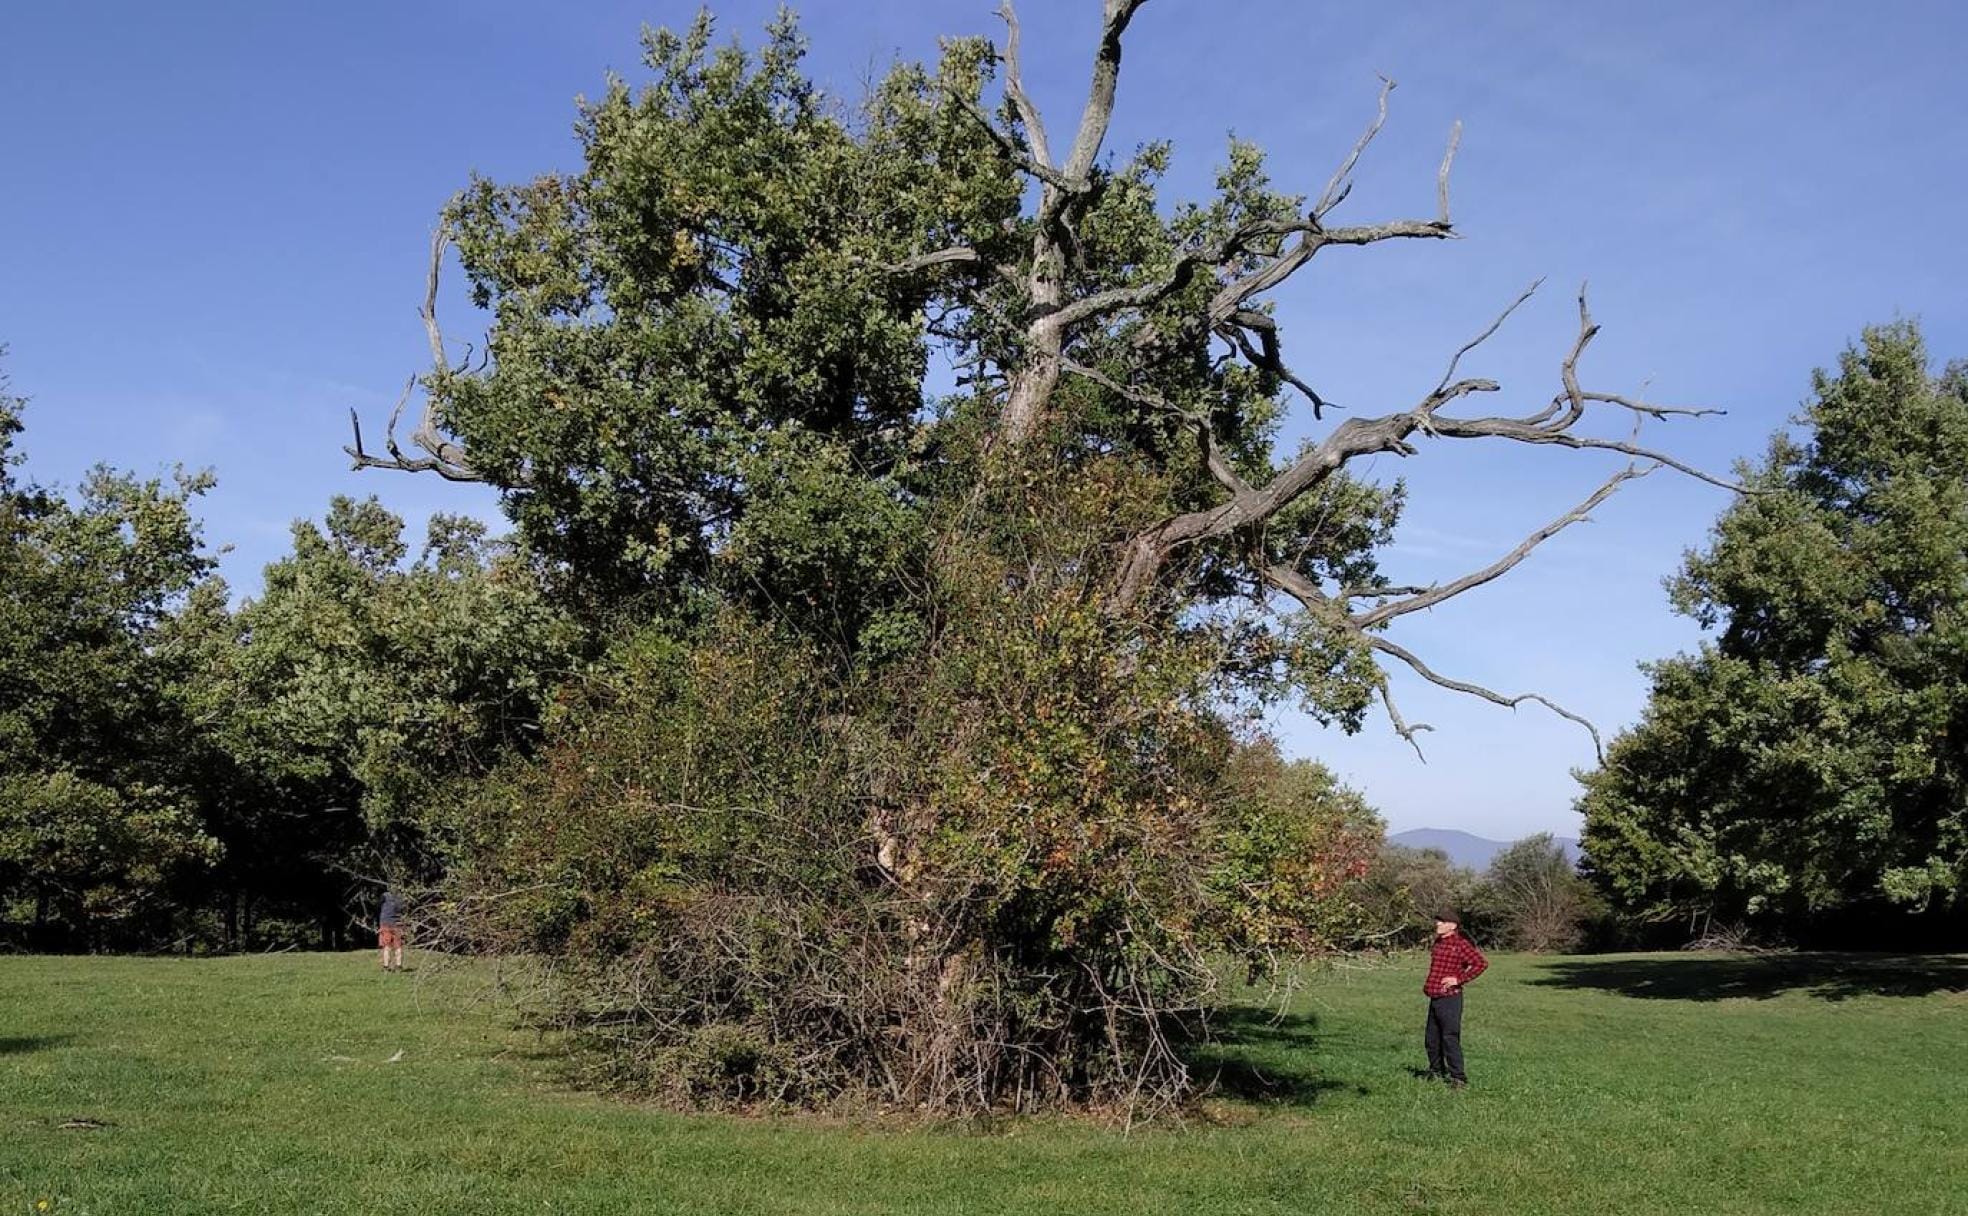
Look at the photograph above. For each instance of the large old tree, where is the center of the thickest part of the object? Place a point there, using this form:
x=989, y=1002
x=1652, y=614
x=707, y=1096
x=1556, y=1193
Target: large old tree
x=988, y=785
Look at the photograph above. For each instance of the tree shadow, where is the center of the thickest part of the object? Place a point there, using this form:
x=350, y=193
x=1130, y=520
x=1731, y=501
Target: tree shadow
x=1829, y=977
x=1268, y=1058
x=21, y=1045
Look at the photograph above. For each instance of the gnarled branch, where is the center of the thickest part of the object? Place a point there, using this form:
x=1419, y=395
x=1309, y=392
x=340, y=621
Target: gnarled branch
x=1249, y=507
x=1340, y=186
x=1028, y=110
x=1429, y=597
x=1324, y=608
x=1508, y=701
x=1265, y=355
x=442, y=456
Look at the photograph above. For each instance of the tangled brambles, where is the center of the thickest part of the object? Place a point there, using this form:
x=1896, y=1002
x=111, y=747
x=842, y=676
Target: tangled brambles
x=992, y=873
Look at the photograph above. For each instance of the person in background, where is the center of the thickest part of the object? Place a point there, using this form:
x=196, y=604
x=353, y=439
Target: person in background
x=389, y=930
x=1453, y=960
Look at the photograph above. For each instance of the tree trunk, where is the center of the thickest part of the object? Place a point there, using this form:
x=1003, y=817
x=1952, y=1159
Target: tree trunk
x=38, y=938
x=1033, y=384
x=1032, y=387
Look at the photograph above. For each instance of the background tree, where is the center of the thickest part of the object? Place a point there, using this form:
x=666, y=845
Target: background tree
x=99, y=824
x=1810, y=758
x=350, y=700
x=178, y=771
x=1402, y=890
x=1531, y=897
x=1025, y=625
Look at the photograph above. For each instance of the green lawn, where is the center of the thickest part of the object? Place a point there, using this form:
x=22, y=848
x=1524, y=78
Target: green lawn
x=1625, y=1084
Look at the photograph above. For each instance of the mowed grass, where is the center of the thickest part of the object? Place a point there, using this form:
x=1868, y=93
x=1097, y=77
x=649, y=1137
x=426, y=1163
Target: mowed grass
x=1623, y=1084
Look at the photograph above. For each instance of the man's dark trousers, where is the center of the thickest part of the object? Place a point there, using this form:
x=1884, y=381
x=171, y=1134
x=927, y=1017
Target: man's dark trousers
x=1444, y=1036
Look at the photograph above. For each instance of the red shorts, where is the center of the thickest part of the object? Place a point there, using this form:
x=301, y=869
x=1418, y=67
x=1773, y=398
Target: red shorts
x=389, y=937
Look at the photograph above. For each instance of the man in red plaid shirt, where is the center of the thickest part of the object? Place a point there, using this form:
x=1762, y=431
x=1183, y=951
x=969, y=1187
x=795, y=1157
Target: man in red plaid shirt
x=1453, y=960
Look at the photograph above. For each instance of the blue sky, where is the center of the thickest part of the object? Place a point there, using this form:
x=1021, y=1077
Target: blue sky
x=213, y=215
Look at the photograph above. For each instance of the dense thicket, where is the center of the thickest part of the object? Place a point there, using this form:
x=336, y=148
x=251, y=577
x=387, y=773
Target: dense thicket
x=1000, y=869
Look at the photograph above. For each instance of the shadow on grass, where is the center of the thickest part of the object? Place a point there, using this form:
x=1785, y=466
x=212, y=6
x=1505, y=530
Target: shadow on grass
x=1262, y=1057
x=23, y=1044
x=1830, y=977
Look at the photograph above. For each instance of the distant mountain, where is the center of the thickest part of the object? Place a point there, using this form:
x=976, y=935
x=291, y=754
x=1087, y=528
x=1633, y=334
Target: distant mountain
x=1466, y=849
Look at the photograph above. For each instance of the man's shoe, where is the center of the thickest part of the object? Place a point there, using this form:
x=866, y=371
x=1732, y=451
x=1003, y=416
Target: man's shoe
x=1455, y=1084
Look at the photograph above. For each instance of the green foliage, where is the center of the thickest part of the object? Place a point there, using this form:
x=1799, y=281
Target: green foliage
x=1532, y=898
x=701, y=311
x=97, y=810
x=1814, y=755
x=349, y=666
x=1295, y=846
x=173, y=770
x=879, y=775
x=1402, y=890
x=347, y=702
x=95, y=860
x=826, y=549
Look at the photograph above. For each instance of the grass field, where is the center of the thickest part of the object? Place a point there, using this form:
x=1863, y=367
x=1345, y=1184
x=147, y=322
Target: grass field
x=1622, y=1084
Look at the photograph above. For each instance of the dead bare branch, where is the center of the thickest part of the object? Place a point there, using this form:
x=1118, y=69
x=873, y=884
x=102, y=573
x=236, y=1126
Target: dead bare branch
x=1325, y=608
x=1442, y=174
x=1477, y=690
x=1249, y=507
x=1383, y=613
x=1235, y=293
x=941, y=257
x=1648, y=408
x=1236, y=289
x=1028, y=110
x=1266, y=356
x=440, y=239
x=442, y=457
x=1522, y=432
x=1401, y=725
x=1099, y=111
x=1053, y=241
x=1456, y=359
x=1339, y=187
x=1387, y=592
